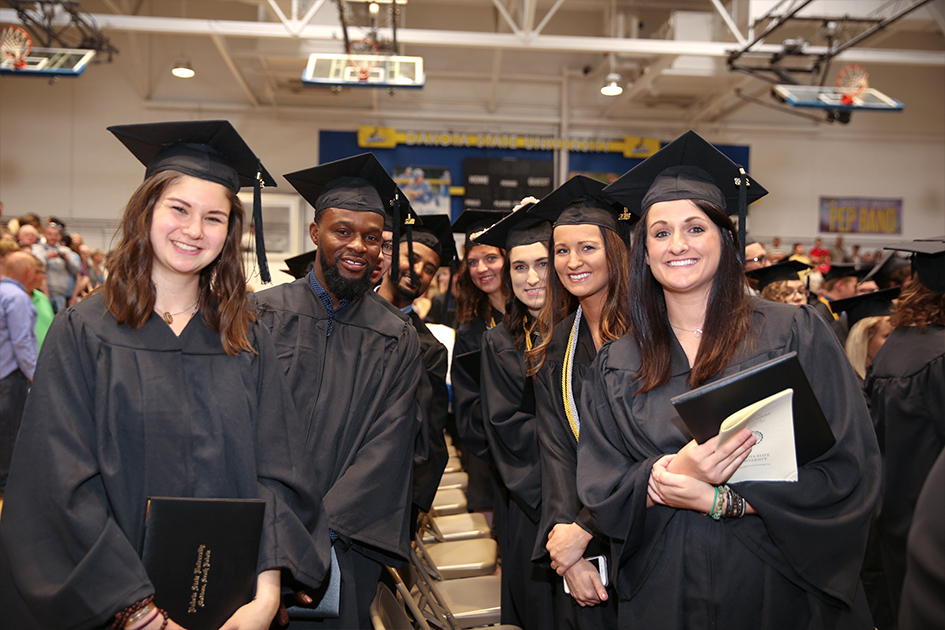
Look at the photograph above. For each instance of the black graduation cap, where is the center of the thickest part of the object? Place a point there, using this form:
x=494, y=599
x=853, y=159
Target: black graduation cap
x=782, y=270
x=472, y=222
x=436, y=233
x=299, y=266
x=928, y=261
x=689, y=168
x=845, y=270
x=584, y=201
x=208, y=149
x=517, y=229
x=882, y=271
x=357, y=183
x=873, y=304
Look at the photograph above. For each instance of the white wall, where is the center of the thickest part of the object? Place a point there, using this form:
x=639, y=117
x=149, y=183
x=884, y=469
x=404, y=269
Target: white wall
x=57, y=158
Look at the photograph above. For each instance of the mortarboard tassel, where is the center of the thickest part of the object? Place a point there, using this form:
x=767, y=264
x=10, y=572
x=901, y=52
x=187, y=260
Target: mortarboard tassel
x=742, y=182
x=395, y=250
x=409, y=221
x=258, y=223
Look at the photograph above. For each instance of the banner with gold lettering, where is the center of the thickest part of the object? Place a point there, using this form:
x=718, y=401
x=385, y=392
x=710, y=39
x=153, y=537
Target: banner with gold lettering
x=860, y=215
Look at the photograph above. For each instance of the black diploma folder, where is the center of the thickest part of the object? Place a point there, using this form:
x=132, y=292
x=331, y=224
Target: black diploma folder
x=705, y=408
x=201, y=556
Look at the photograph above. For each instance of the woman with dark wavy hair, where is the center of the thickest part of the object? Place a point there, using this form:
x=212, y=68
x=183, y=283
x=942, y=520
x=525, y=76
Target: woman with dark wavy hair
x=586, y=307
x=160, y=384
x=691, y=551
x=906, y=385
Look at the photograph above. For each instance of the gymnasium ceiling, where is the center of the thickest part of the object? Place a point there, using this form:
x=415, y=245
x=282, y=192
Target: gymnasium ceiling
x=538, y=63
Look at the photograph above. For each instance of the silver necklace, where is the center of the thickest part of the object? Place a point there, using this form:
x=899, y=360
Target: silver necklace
x=695, y=333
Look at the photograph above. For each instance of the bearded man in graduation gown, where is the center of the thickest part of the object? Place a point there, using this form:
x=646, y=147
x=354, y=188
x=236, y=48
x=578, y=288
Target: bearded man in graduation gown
x=430, y=246
x=352, y=367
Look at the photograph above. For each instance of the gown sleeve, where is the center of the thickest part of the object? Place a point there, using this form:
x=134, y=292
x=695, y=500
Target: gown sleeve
x=71, y=562
x=380, y=471
x=510, y=420
x=467, y=401
x=291, y=511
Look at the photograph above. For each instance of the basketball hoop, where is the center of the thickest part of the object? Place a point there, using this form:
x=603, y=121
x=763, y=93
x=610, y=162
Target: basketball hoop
x=851, y=82
x=16, y=45
x=361, y=53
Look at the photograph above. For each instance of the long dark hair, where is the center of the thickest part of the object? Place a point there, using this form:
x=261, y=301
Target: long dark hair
x=471, y=301
x=727, y=314
x=919, y=306
x=614, y=322
x=129, y=291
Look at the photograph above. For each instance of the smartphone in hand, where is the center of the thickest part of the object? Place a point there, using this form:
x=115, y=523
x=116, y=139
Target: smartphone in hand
x=601, y=563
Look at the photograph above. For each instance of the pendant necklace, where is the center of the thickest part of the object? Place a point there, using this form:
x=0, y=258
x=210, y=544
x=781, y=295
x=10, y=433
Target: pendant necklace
x=695, y=333
x=169, y=317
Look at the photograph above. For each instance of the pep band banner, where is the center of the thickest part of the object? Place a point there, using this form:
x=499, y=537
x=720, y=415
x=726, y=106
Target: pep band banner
x=860, y=215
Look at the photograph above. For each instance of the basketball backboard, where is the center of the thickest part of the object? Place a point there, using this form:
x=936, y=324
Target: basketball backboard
x=50, y=62
x=814, y=96
x=377, y=71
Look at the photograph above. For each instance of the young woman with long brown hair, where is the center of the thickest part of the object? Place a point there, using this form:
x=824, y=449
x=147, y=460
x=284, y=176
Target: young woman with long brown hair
x=587, y=307
x=508, y=408
x=161, y=384
x=689, y=550
x=480, y=306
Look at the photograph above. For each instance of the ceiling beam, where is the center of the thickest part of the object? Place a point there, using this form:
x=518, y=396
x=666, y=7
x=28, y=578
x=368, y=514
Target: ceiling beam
x=469, y=39
x=224, y=51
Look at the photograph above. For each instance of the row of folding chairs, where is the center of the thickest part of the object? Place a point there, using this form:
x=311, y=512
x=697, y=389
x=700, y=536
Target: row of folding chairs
x=450, y=582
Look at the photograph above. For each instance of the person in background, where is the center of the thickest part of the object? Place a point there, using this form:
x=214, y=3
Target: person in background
x=62, y=267
x=28, y=235
x=756, y=256
x=840, y=281
x=797, y=253
x=819, y=254
x=480, y=306
x=44, y=310
x=780, y=282
x=18, y=349
x=161, y=384
x=906, y=385
x=838, y=253
x=692, y=551
x=776, y=252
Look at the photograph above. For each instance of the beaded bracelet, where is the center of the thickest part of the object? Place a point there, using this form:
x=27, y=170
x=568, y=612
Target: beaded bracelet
x=125, y=615
x=735, y=505
x=163, y=612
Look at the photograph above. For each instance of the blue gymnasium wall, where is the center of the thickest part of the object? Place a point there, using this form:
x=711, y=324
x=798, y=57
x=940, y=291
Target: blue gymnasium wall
x=335, y=145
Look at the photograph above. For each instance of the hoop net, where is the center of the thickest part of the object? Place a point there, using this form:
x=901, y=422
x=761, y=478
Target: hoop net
x=360, y=54
x=16, y=44
x=851, y=82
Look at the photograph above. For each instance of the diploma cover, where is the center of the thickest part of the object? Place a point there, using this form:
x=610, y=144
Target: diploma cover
x=705, y=408
x=201, y=556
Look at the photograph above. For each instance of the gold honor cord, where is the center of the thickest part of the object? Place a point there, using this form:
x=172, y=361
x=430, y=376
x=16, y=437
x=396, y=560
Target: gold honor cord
x=491, y=324
x=528, y=334
x=570, y=409
x=829, y=308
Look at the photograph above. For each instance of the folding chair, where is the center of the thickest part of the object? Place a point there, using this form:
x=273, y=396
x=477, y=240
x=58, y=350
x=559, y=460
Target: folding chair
x=387, y=613
x=449, y=501
x=460, y=558
x=455, y=480
x=461, y=526
x=453, y=465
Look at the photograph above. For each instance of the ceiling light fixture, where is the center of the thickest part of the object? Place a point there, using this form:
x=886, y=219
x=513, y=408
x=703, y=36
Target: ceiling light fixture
x=612, y=85
x=182, y=68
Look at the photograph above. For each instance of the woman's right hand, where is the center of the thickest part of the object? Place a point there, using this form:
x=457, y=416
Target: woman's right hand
x=584, y=583
x=713, y=466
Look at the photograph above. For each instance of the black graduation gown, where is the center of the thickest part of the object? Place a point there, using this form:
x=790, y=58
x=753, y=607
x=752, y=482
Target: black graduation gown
x=907, y=389
x=558, y=455
x=467, y=408
x=799, y=559
x=355, y=393
x=442, y=310
x=838, y=324
x=117, y=415
x=508, y=407
x=433, y=401
x=923, y=594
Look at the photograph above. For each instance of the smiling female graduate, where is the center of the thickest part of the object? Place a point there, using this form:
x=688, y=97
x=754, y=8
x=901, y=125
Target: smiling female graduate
x=586, y=307
x=508, y=410
x=691, y=552
x=160, y=384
